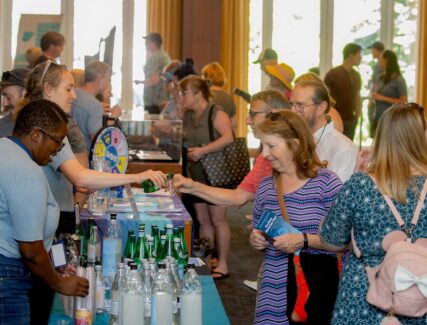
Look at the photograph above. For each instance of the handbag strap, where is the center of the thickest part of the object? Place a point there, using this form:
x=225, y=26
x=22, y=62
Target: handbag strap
x=210, y=123
x=397, y=216
x=279, y=191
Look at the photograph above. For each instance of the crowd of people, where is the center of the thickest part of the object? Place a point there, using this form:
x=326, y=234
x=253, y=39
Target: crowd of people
x=307, y=171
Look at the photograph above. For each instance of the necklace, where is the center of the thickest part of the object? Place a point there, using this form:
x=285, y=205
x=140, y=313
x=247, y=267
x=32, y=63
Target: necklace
x=321, y=134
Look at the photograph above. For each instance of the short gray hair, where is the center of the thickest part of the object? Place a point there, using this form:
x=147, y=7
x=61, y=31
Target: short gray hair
x=272, y=98
x=96, y=69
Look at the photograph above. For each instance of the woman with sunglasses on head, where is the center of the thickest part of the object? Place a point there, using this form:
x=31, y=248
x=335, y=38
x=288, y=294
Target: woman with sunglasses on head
x=29, y=213
x=302, y=189
x=397, y=169
x=195, y=97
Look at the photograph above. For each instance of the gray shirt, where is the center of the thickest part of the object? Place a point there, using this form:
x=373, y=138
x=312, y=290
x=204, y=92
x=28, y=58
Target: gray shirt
x=87, y=111
x=6, y=126
x=156, y=61
x=28, y=210
x=61, y=188
x=395, y=88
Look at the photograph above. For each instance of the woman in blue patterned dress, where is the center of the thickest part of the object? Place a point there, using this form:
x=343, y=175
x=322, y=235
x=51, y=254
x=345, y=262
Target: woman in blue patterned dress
x=309, y=191
x=399, y=166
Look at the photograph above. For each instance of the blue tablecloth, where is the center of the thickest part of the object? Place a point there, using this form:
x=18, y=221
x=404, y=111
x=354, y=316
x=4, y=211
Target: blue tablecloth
x=212, y=308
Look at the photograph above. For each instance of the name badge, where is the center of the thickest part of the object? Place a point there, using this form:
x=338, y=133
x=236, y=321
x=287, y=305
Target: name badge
x=57, y=255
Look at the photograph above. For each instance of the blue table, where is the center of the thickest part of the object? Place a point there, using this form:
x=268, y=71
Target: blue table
x=212, y=308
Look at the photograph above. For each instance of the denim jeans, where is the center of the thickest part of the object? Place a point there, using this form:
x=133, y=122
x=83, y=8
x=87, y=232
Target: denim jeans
x=15, y=281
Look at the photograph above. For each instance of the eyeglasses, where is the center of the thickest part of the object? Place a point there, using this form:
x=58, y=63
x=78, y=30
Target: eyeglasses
x=300, y=107
x=58, y=142
x=279, y=116
x=183, y=93
x=6, y=76
x=46, y=68
x=252, y=113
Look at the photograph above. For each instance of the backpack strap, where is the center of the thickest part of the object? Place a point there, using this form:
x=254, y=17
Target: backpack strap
x=397, y=216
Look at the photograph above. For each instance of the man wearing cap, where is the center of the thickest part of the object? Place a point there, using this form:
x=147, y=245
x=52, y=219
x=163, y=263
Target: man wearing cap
x=377, y=49
x=157, y=59
x=12, y=90
x=52, y=44
x=344, y=83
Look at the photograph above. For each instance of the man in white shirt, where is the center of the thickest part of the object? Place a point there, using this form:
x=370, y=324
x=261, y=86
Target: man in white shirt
x=311, y=101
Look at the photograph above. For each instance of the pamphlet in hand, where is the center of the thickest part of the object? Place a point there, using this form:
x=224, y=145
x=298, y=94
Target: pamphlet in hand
x=274, y=225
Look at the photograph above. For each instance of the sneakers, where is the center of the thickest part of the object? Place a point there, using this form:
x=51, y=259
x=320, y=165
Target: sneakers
x=251, y=284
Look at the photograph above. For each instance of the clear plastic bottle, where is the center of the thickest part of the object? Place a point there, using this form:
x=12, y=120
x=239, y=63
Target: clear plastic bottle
x=161, y=302
x=183, y=244
x=100, y=290
x=111, y=248
x=116, y=287
x=93, y=247
x=147, y=288
x=132, y=311
x=191, y=298
x=153, y=267
x=83, y=310
x=174, y=287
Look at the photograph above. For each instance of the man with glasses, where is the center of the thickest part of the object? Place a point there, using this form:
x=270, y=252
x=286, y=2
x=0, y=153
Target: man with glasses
x=311, y=101
x=12, y=90
x=344, y=83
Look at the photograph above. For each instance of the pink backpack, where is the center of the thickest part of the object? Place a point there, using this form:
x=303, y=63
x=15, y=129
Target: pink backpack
x=399, y=284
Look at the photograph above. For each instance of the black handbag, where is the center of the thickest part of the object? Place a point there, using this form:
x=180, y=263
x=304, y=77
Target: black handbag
x=227, y=167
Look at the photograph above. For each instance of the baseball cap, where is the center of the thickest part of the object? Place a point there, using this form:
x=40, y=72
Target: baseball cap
x=267, y=54
x=154, y=37
x=377, y=45
x=15, y=77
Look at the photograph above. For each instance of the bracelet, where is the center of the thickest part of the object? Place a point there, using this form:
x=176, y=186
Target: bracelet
x=305, y=240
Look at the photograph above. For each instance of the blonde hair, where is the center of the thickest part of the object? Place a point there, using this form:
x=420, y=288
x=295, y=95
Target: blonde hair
x=43, y=74
x=400, y=149
x=215, y=73
x=32, y=54
x=289, y=126
x=79, y=77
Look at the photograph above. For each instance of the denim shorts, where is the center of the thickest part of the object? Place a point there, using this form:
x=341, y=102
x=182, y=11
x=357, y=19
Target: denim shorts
x=15, y=281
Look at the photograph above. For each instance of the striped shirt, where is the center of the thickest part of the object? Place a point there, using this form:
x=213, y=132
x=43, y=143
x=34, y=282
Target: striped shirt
x=306, y=207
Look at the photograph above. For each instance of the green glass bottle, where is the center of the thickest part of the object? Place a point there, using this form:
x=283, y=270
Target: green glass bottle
x=150, y=245
x=141, y=245
x=183, y=244
x=156, y=236
x=79, y=236
x=130, y=247
x=159, y=253
x=179, y=256
x=168, y=247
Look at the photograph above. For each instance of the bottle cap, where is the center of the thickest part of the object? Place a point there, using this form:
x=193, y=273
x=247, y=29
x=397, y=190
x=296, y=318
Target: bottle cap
x=133, y=266
x=113, y=216
x=163, y=237
x=152, y=260
x=98, y=267
x=177, y=240
x=120, y=265
x=169, y=226
x=130, y=232
x=191, y=266
x=141, y=227
x=162, y=266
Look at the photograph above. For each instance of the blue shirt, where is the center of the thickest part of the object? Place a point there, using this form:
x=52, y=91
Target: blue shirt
x=87, y=111
x=28, y=210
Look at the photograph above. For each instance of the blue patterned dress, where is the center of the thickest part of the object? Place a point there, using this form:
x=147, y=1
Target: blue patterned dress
x=306, y=207
x=361, y=206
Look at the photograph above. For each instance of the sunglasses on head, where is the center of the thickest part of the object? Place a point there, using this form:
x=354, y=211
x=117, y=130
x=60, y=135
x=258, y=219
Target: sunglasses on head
x=417, y=107
x=276, y=116
x=46, y=68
